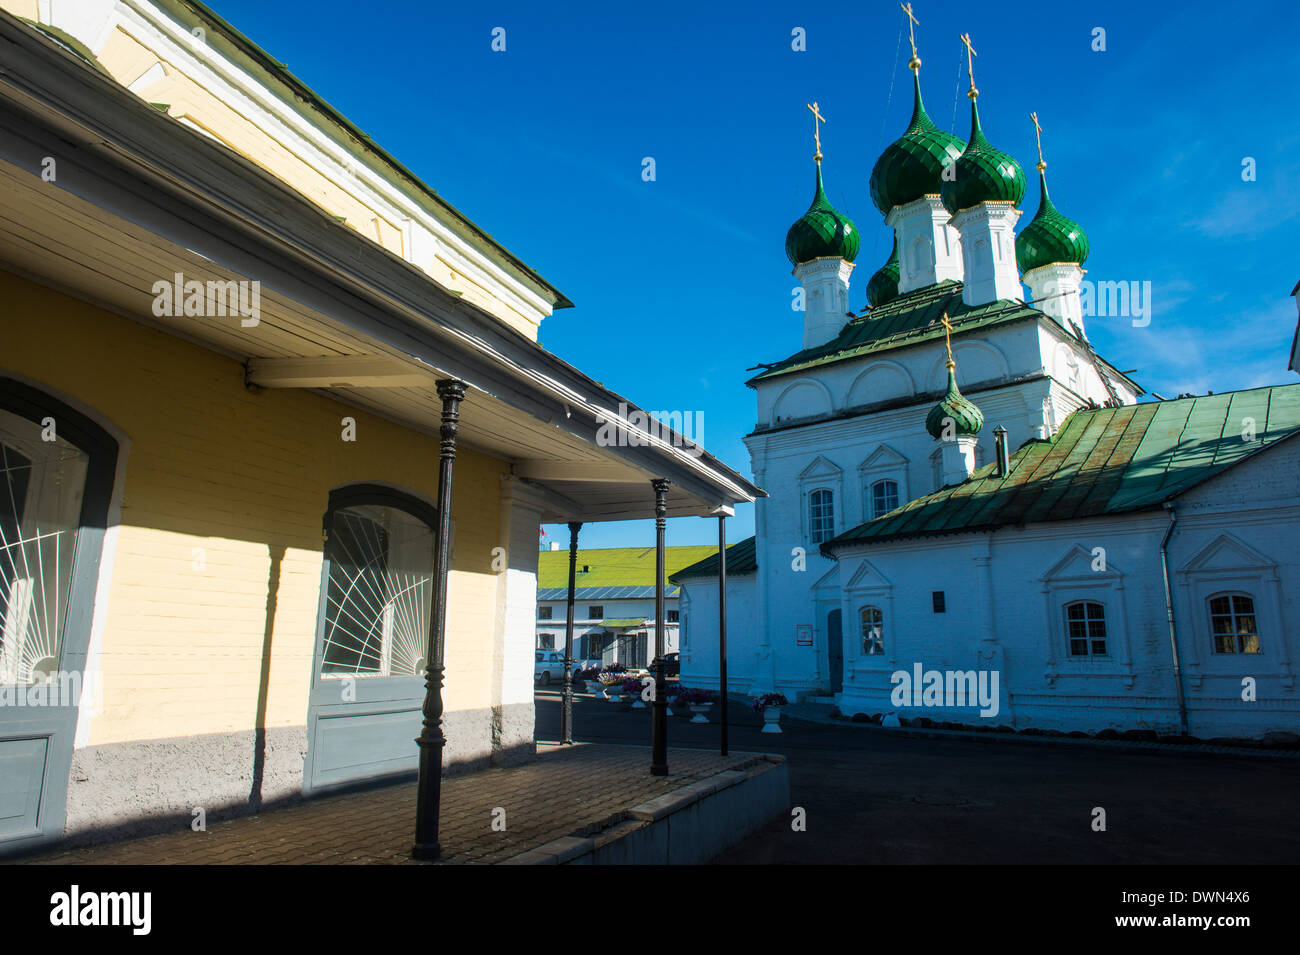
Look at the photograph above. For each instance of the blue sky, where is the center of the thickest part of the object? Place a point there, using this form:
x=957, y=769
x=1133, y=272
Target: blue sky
x=681, y=284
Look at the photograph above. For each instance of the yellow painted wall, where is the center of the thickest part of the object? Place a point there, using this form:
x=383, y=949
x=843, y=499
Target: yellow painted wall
x=219, y=478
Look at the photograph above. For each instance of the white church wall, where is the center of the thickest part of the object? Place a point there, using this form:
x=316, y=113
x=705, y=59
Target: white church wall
x=1237, y=534
x=699, y=634
x=1234, y=535
x=1071, y=365
x=1019, y=350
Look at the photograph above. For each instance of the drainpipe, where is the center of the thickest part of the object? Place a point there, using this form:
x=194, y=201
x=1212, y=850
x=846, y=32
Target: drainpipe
x=1169, y=613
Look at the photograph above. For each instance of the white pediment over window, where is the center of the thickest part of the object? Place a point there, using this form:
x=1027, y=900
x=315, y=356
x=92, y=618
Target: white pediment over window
x=1082, y=563
x=884, y=458
x=867, y=577
x=820, y=467
x=1226, y=553
x=829, y=580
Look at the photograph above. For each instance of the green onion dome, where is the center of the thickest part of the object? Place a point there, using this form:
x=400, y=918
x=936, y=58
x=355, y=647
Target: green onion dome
x=983, y=174
x=967, y=419
x=1050, y=237
x=821, y=231
x=912, y=165
x=883, y=286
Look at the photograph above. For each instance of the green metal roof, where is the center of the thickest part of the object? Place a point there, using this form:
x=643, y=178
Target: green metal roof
x=742, y=558
x=912, y=165
x=1050, y=237
x=982, y=173
x=618, y=622
x=908, y=319
x=614, y=566
x=953, y=406
x=883, y=286
x=821, y=231
x=1101, y=461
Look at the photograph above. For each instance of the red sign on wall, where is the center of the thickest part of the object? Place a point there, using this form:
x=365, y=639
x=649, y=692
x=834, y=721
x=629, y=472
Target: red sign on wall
x=803, y=634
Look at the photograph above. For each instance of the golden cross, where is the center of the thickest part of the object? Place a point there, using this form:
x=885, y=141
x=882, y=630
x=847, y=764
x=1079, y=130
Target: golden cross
x=1038, y=134
x=947, y=335
x=818, y=119
x=970, y=64
x=912, y=22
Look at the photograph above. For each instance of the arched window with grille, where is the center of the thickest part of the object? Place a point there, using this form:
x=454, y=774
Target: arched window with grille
x=884, y=497
x=1233, y=623
x=1085, y=627
x=873, y=631
x=380, y=586
x=821, y=515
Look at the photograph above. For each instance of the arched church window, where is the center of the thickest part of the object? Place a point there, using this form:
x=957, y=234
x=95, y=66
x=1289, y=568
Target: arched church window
x=380, y=587
x=1233, y=624
x=1085, y=627
x=884, y=497
x=873, y=631
x=821, y=515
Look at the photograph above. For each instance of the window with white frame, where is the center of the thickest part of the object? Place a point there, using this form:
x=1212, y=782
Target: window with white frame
x=1085, y=628
x=1233, y=624
x=821, y=515
x=546, y=641
x=873, y=631
x=884, y=497
x=543, y=612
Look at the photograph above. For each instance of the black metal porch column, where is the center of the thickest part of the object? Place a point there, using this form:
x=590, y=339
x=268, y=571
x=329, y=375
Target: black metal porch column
x=722, y=623
x=431, y=739
x=566, y=709
x=659, y=724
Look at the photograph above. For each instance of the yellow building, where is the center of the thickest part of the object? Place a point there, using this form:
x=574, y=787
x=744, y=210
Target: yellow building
x=224, y=318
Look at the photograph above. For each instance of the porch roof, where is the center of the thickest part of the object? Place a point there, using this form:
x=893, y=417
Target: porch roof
x=139, y=197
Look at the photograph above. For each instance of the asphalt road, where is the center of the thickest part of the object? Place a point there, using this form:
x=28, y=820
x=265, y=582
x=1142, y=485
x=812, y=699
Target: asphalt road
x=874, y=797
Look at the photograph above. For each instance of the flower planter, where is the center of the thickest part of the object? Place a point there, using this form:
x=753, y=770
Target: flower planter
x=771, y=719
x=596, y=689
x=701, y=711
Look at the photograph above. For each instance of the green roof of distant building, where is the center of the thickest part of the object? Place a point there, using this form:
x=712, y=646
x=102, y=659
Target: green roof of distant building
x=614, y=566
x=1102, y=461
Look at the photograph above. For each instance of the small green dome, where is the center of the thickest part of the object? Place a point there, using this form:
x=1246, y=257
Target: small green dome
x=1050, y=237
x=821, y=231
x=983, y=174
x=883, y=286
x=967, y=419
x=912, y=165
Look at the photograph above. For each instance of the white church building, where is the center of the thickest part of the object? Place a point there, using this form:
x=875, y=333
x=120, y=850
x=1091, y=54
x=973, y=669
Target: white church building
x=966, y=497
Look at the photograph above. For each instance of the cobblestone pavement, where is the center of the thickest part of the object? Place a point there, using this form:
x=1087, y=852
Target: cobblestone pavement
x=565, y=791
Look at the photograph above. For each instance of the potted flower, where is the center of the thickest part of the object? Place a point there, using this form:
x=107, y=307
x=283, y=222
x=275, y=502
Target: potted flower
x=634, y=686
x=700, y=701
x=612, y=683
x=769, y=704
x=591, y=678
x=671, y=692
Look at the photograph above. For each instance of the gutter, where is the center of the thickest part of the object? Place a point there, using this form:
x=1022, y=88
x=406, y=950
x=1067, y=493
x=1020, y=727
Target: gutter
x=1169, y=613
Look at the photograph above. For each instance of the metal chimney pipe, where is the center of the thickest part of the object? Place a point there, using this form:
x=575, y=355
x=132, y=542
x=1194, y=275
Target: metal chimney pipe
x=1000, y=445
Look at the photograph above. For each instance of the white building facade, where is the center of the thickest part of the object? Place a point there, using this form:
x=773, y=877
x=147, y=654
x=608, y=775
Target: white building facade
x=905, y=407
